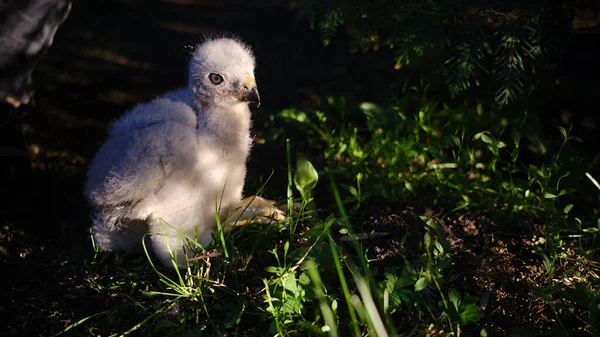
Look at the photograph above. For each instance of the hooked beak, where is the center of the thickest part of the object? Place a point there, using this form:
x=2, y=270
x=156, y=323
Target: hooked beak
x=249, y=91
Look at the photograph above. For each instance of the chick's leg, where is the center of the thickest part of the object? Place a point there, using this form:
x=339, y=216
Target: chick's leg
x=256, y=210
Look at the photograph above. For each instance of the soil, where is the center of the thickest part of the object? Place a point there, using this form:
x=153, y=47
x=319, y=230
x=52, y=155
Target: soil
x=502, y=270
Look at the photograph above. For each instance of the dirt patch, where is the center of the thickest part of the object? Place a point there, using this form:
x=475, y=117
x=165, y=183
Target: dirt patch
x=502, y=270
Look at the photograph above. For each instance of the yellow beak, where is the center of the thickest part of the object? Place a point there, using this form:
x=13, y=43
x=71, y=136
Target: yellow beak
x=249, y=91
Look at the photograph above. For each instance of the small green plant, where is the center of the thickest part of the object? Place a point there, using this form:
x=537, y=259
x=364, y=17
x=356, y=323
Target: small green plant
x=438, y=155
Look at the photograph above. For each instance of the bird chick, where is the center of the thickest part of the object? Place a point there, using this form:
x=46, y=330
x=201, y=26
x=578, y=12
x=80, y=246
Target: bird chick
x=169, y=164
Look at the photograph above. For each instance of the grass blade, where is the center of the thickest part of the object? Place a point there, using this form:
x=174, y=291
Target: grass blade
x=313, y=273
x=345, y=290
x=587, y=174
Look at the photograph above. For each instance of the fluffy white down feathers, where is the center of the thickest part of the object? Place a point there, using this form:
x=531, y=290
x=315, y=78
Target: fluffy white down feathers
x=177, y=157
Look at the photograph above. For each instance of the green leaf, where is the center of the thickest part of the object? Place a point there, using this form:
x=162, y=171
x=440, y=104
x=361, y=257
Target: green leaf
x=460, y=206
x=291, y=305
x=353, y=191
x=454, y=140
x=421, y=283
x=487, y=139
x=306, y=177
x=568, y=208
x=304, y=280
x=470, y=313
x=395, y=300
x=428, y=221
x=286, y=248
x=273, y=269
x=409, y=187
x=454, y=298
x=294, y=114
x=289, y=284
x=408, y=276
x=452, y=309
x=438, y=248
x=548, y=264
x=428, y=240
x=515, y=154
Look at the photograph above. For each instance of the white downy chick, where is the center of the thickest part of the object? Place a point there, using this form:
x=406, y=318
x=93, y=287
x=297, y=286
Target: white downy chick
x=168, y=163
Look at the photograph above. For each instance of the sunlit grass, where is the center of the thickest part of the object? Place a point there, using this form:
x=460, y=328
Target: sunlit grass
x=314, y=274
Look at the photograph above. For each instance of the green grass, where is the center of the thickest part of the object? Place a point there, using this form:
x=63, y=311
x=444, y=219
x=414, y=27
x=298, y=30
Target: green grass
x=475, y=193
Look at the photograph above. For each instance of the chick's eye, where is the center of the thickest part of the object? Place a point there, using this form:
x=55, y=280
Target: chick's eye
x=215, y=78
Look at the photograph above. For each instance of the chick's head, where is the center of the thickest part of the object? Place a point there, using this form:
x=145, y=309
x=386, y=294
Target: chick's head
x=222, y=73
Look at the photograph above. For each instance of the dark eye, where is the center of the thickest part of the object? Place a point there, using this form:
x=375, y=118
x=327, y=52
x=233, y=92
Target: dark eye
x=215, y=78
